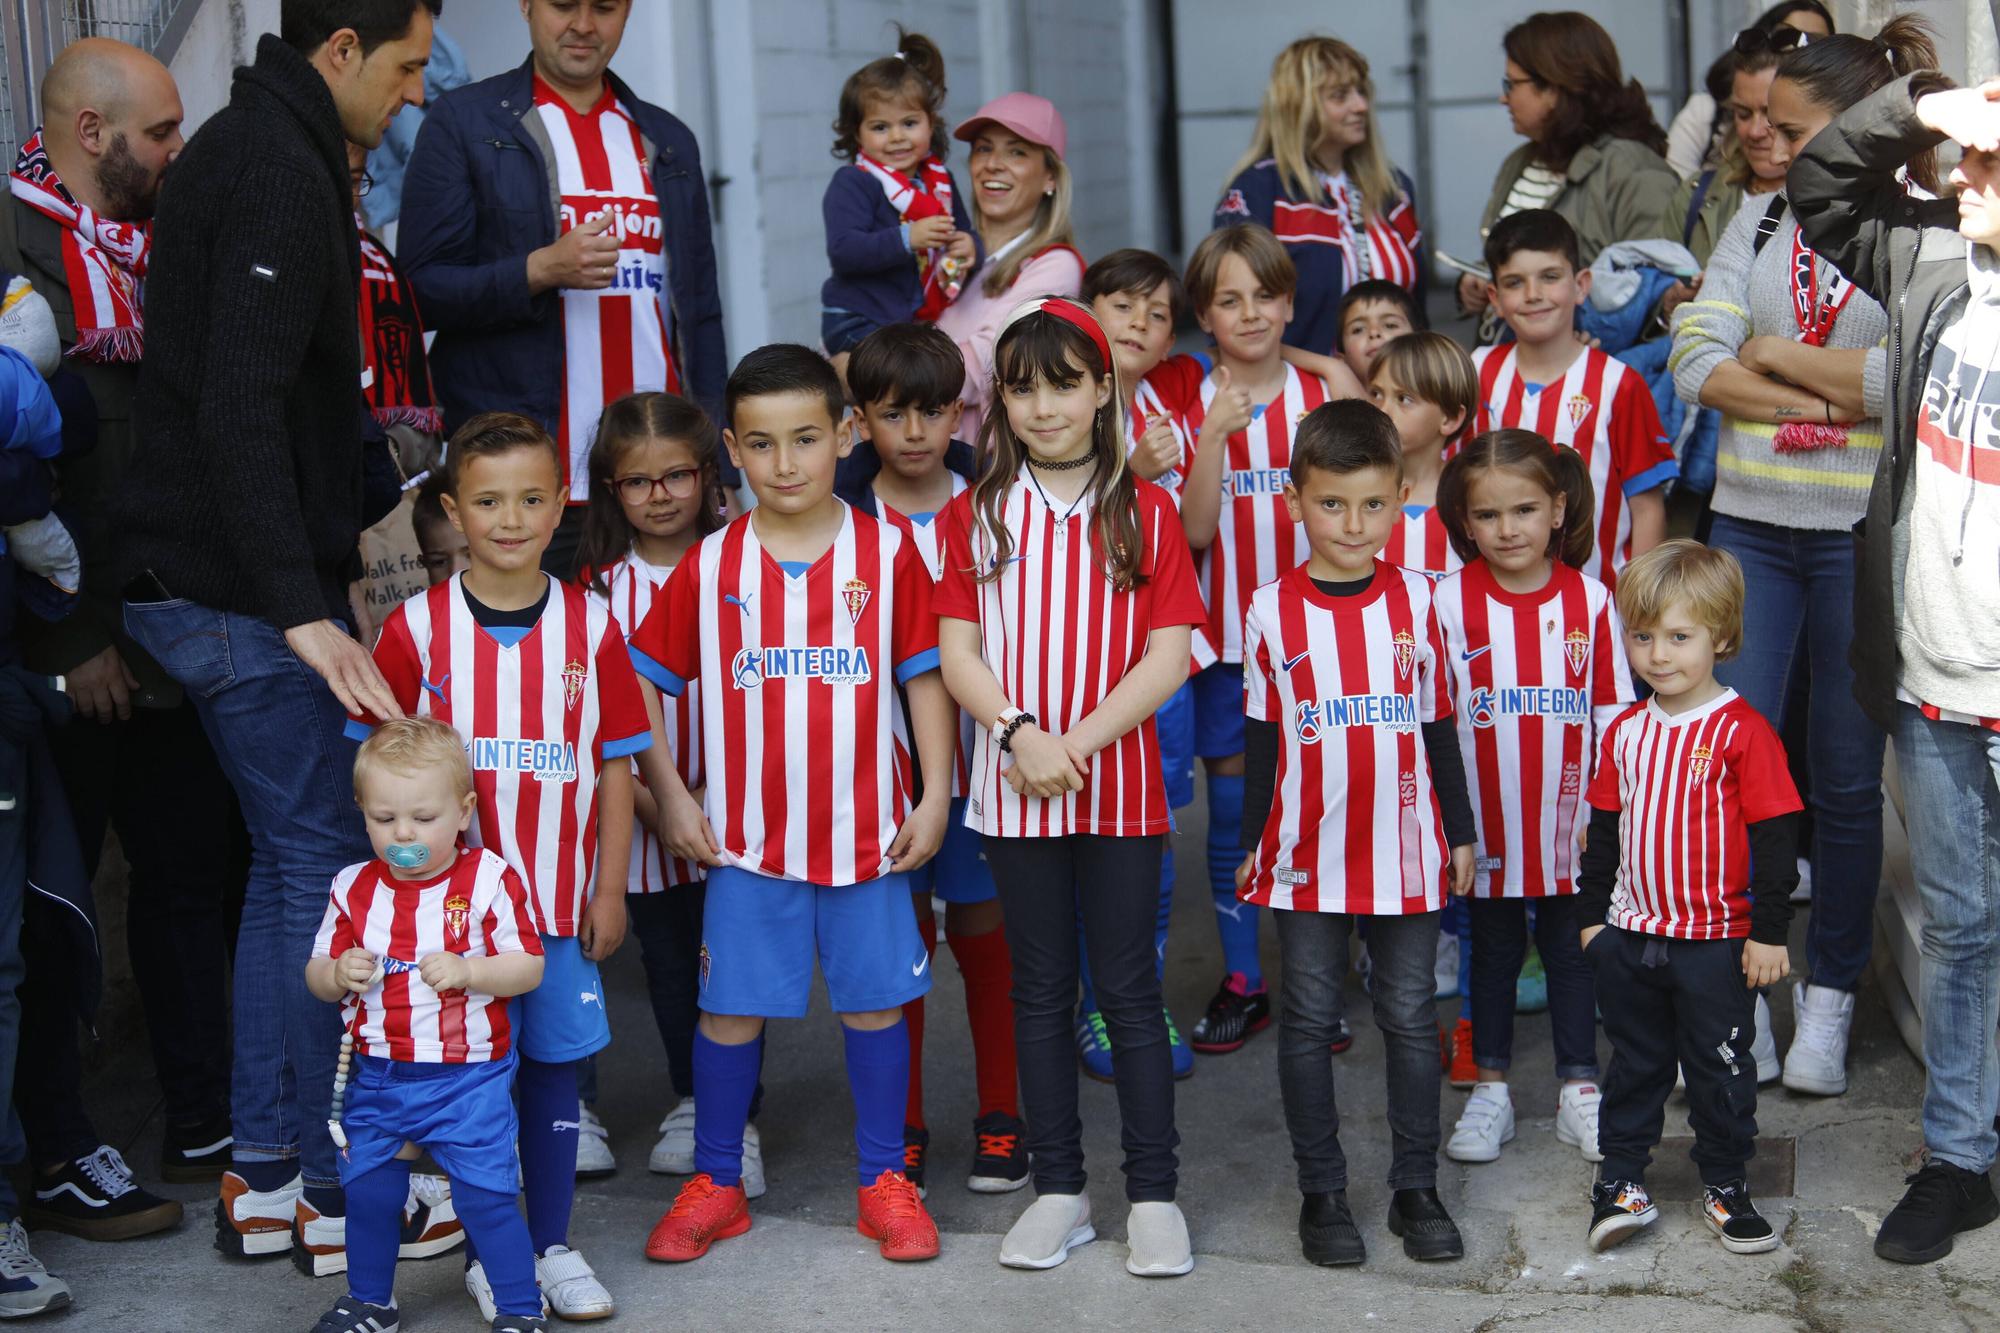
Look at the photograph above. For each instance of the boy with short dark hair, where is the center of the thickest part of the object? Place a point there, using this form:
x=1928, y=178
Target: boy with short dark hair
x=1354, y=790
x=1569, y=393
x=1373, y=313
x=1685, y=881
x=534, y=677
x=798, y=620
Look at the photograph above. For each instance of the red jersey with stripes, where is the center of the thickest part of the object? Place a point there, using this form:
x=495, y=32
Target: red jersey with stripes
x=1420, y=542
x=1688, y=787
x=615, y=339
x=1168, y=390
x=1255, y=537
x=540, y=717
x=1602, y=409
x=633, y=584
x=1536, y=676
x=1058, y=636
x=1354, y=824
x=1385, y=246
x=477, y=909
x=805, y=746
x=923, y=530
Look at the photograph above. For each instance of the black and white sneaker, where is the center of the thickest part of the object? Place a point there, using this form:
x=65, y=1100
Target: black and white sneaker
x=1617, y=1209
x=1233, y=1015
x=349, y=1315
x=1735, y=1220
x=95, y=1197
x=999, y=1162
x=916, y=1156
x=194, y=1153
x=519, y=1323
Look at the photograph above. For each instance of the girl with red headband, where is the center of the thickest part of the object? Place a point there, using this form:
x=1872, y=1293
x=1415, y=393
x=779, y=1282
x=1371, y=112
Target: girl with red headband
x=1064, y=611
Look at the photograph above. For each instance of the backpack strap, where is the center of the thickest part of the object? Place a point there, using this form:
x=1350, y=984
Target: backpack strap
x=1767, y=226
x=1706, y=179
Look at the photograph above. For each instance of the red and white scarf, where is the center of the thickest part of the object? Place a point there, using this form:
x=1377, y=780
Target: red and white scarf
x=1816, y=312
x=392, y=337
x=103, y=260
x=914, y=201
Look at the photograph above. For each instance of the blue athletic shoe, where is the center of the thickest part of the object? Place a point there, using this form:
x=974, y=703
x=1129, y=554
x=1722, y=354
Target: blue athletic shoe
x=1182, y=1052
x=1093, y=1045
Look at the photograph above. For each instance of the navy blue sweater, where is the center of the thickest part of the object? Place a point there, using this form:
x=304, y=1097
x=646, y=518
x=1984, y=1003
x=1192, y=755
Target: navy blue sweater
x=854, y=479
x=874, y=273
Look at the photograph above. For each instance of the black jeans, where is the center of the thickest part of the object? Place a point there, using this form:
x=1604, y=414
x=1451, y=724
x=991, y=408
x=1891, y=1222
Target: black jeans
x=1499, y=945
x=1403, y=982
x=156, y=780
x=1114, y=883
x=1668, y=1002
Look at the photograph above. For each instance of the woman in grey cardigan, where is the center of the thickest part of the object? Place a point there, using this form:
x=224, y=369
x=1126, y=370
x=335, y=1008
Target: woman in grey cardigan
x=1792, y=354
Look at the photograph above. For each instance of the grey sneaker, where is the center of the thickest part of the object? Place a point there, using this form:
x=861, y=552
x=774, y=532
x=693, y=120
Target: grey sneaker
x=1044, y=1235
x=26, y=1288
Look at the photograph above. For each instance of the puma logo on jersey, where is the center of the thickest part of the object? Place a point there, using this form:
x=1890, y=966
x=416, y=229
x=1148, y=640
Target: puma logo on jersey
x=439, y=688
x=740, y=603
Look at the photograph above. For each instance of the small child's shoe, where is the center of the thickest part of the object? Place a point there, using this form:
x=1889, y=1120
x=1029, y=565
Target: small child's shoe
x=593, y=1145
x=891, y=1212
x=703, y=1213
x=1157, y=1239
x=1618, y=1208
x=1043, y=1236
x=1464, y=1072
x=349, y=1315
x=1177, y=1047
x=1735, y=1220
x=1576, y=1118
x=519, y=1323
x=1485, y=1124
x=570, y=1286
x=1093, y=1046
x=673, y=1155
x=1764, y=1047
x=916, y=1155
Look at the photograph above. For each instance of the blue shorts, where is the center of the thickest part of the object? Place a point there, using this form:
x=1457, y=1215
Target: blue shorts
x=1218, y=711
x=760, y=937
x=958, y=873
x=1175, y=722
x=463, y=1115
x=562, y=1019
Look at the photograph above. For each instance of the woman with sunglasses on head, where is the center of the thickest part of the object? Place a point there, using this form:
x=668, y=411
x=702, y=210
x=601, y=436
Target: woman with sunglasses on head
x=1697, y=136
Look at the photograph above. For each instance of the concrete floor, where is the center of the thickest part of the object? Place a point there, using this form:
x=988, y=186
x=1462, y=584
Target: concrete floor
x=803, y=1266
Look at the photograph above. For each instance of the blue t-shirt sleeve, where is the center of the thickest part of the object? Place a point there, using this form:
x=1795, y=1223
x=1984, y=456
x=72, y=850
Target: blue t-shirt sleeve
x=911, y=667
x=662, y=678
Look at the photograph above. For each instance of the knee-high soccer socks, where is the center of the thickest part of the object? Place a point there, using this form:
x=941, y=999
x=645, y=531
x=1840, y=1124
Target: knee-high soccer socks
x=987, y=973
x=492, y=1223
x=725, y=1079
x=1235, y=920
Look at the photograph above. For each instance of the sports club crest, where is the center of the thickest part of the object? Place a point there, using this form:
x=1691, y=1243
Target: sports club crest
x=1234, y=205
x=457, y=918
x=1576, y=647
x=573, y=678
x=1406, y=651
x=856, y=594
x=1698, y=762
x=1578, y=406
x=705, y=961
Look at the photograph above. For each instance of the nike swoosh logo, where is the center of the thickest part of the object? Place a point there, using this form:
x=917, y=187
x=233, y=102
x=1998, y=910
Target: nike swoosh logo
x=1469, y=654
x=1295, y=659
x=917, y=969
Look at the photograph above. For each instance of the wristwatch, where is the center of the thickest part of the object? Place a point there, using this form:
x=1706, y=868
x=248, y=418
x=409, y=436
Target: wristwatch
x=1010, y=721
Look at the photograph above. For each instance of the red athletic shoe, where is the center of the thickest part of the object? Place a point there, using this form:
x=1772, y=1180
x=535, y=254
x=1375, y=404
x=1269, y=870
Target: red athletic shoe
x=703, y=1213
x=1464, y=1069
x=892, y=1213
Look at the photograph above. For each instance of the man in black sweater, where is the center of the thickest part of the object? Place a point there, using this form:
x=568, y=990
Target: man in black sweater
x=238, y=526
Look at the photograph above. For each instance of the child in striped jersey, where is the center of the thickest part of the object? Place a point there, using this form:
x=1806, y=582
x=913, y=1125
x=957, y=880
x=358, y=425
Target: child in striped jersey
x=1537, y=660
x=1684, y=893
x=1354, y=791
x=656, y=492
x=905, y=469
x=422, y=947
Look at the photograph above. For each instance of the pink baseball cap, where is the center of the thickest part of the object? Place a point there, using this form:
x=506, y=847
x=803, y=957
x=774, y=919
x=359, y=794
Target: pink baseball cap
x=1032, y=118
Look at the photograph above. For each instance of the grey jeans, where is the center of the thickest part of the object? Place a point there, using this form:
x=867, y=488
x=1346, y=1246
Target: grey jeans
x=1403, y=950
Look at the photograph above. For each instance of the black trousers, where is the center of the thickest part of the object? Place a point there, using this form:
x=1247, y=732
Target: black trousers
x=1114, y=885
x=1668, y=1002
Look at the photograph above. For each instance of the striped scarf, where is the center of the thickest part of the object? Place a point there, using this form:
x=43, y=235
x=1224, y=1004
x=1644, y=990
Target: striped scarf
x=103, y=261
x=928, y=196
x=392, y=334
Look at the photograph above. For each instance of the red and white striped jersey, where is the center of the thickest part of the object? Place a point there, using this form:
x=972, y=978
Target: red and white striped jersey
x=1385, y=246
x=1354, y=824
x=1255, y=538
x=806, y=749
x=1689, y=786
x=1536, y=676
x=633, y=584
x=1059, y=637
x=539, y=717
x=615, y=338
x=1602, y=409
x=1168, y=390
x=477, y=908
x=1420, y=542
x=925, y=537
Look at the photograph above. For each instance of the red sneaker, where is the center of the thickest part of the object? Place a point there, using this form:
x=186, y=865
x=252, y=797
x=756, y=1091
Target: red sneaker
x=1464, y=1069
x=703, y=1213
x=892, y=1213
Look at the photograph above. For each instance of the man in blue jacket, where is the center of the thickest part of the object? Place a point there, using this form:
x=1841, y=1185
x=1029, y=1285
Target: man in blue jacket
x=556, y=231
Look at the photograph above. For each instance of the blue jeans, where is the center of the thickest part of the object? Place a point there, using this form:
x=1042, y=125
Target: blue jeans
x=277, y=730
x=1951, y=796
x=1799, y=593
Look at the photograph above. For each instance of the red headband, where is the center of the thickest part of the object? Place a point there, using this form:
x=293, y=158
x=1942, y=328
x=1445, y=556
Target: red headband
x=1072, y=313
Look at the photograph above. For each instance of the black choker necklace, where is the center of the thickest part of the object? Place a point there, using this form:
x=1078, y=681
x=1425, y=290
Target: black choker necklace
x=1066, y=465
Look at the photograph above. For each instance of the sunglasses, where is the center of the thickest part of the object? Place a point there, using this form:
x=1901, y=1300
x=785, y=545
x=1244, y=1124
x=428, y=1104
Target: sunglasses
x=1775, y=40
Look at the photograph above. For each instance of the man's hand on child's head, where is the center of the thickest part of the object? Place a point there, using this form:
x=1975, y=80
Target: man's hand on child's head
x=1765, y=964
x=1461, y=870
x=922, y=833
x=445, y=971
x=355, y=970
x=603, y=926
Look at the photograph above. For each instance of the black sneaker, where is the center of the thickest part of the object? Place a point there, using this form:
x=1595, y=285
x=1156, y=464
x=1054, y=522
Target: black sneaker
x=193, y=1153
x=916, y=1151
x=1343, y=1037
x=1942, y=1201
x=1000, y=1163
x=94, y=1197
x=1232, y=1016
x=1327, y=1232
x=349, y=1315
x=1428, y=1232
x=1735, y=1220
x=1617, y=1209
x=519, y=1323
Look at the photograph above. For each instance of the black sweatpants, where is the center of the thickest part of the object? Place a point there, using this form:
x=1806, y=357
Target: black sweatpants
x=1668, y=1002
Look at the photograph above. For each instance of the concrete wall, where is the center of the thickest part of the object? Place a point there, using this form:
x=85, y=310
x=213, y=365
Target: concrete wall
x=222, y=36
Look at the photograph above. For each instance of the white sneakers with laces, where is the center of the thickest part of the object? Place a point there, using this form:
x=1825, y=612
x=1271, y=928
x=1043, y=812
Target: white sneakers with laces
x=1817, y=1060
x=1576, y=1118
x=1485, y=1124
x=28, y=1288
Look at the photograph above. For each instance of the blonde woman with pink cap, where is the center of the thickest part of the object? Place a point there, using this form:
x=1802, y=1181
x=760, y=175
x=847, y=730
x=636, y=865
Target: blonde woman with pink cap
x=1020, y=203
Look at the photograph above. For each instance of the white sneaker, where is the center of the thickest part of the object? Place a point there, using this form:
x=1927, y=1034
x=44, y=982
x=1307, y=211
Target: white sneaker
x=753, y=1163
x=28, y=1287
x=1576, y=1118
x=1158, y=1238
x=1447, y=965
x=481, y=1290
x=570, y=1287
x=430, y=1219
x=1485, y=1124
x=1764, y=1046
x=673, y=1155
x=1043, y=1236
x=593, y=1145
x=252, y=1223
x=1817, y=1060
x=1803, y=892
